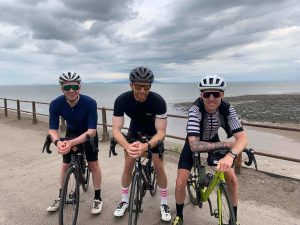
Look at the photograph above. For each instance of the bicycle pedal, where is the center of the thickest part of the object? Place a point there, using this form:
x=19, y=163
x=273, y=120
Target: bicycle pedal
x=216, y=213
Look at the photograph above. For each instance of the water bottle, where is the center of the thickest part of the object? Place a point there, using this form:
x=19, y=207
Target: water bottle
x=207, y=179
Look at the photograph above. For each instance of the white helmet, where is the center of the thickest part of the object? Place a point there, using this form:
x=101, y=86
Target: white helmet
x=212, y=82
x=69, y=77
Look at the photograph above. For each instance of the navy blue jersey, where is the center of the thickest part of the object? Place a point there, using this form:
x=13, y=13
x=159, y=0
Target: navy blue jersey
x=79, y=118
x=142, y=114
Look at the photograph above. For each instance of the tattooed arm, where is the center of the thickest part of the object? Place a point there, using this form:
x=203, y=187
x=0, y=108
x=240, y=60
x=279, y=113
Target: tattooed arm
x=203, y=146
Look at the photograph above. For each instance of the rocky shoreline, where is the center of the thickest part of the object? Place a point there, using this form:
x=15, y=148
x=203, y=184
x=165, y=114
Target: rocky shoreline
x=283, y=108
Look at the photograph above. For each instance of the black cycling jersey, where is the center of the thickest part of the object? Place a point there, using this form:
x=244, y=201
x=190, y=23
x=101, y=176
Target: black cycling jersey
x=142, y=114
x=204, y=125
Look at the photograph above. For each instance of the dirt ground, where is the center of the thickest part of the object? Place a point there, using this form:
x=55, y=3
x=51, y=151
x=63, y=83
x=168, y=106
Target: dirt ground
x=265, y=198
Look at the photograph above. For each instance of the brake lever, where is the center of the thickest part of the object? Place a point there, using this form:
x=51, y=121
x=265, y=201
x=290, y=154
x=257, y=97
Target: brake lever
x=47, y=144
x=112, y=147
x=160, y=146
x=251, y=157
x=92, y=143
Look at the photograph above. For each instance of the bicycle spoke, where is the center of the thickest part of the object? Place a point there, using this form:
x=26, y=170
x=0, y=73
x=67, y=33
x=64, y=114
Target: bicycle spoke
x=69, y=199
x=135, y=200
x=225, y=209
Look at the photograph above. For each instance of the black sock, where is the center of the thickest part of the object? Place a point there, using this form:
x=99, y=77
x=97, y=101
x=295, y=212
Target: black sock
x=235, y=211
x=59, y=193
x=179, y=210
x=98, y=195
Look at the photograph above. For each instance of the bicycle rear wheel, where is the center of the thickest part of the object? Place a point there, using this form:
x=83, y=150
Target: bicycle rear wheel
x=135, y=200
x=225, y=209
x=86, y=179
x=69, y=200
x=192, y=186
x=154, y=184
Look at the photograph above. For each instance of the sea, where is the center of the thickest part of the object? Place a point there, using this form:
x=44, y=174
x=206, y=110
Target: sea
x=105, y=95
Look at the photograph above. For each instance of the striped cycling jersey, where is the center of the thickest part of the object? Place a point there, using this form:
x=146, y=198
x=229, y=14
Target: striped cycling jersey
x=211, y=123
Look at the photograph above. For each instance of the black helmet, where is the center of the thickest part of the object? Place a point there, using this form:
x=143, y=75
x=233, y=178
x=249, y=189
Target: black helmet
x=141, y=74
x=69, y=77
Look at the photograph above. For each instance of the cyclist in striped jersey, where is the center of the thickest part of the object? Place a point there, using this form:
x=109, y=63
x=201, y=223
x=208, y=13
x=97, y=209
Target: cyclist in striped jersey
x=207, y=114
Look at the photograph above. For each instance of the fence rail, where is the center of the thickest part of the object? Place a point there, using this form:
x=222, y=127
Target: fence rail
x=105, y=125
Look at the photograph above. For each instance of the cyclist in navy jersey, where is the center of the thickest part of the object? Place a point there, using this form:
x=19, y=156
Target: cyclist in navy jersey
x=80, y=113
x=206, y=115
x=148, y=113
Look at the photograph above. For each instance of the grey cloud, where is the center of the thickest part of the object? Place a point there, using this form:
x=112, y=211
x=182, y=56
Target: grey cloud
x=63, y=22
x=104, y=10
x=194, y=37
x=48, y=28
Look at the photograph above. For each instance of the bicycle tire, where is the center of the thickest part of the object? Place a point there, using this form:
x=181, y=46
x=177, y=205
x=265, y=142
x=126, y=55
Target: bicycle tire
x=135, y=200
x=69, y=200
x=86, y=179
x=226, y=214
x=192, y=186
x=154, y=183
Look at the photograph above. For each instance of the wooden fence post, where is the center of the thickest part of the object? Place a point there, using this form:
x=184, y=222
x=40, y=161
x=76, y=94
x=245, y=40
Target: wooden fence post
x=18, y=109
x=238, y=164
x=105, y=135
x=62, y=124
x=34, y=119
x=5, y=107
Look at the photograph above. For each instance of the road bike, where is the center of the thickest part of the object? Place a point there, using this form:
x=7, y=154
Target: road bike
x=78, y=174
x=144, y=178
x=202, y=185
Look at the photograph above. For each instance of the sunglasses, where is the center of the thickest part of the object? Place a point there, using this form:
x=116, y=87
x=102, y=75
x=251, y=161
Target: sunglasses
x=139, y=87
x=208, y=94
x=74, y=87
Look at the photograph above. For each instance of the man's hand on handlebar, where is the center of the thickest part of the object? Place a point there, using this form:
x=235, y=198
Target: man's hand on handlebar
x=225, y=164
x=136, y=149
x=64, y=147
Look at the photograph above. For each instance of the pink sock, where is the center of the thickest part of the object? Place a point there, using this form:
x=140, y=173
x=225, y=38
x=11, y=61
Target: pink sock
x=163, y=196
x=125, y=194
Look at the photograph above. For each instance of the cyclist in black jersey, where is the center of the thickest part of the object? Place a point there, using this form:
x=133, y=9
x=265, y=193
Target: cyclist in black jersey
x=148, y=113
x=80, y=113
x=207, y=114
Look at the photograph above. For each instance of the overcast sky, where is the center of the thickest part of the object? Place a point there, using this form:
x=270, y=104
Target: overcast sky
x=180, y=40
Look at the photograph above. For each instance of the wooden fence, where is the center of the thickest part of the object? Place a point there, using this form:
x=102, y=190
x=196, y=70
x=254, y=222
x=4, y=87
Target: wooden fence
x=105, y=125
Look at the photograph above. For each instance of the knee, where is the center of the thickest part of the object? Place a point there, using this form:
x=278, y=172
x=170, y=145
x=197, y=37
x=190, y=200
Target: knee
x=232, y=181
x=94, y=166
x=180, y=184
x=159, y=169
x=128, y=168
x=64, y=166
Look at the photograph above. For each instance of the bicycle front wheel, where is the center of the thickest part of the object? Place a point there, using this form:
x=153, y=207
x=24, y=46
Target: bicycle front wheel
x=135, y=200
x=225, y=209
x=153, y=188
x=192, y=186
x=69, y=200
x=86, y=179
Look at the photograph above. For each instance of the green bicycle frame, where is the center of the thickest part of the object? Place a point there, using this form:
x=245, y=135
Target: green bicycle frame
x=216, y=180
